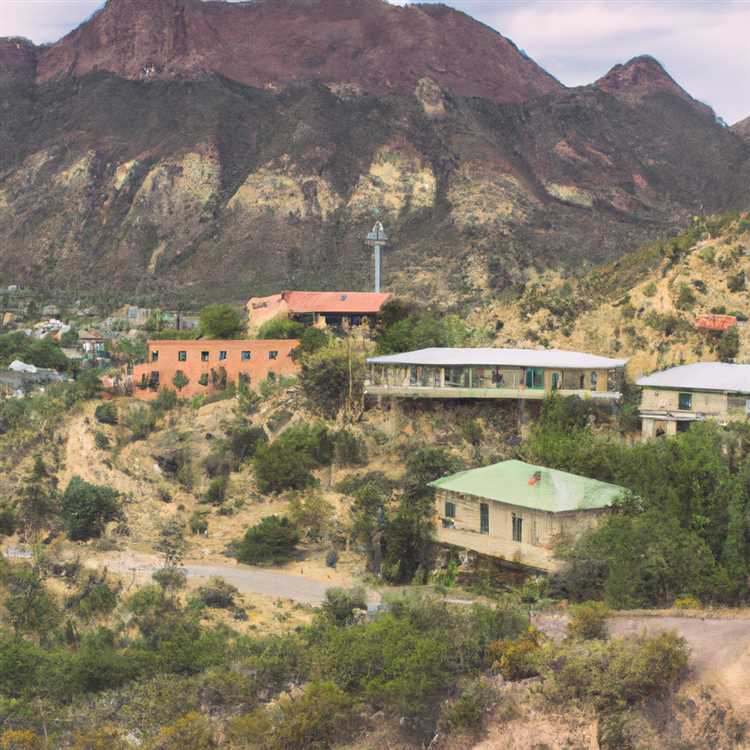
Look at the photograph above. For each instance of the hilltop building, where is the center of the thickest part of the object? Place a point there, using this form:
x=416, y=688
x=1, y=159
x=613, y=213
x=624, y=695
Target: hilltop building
x=673, y=399
x=517, y=511
x=494, y=373
x=320, y=309
x=210, y=365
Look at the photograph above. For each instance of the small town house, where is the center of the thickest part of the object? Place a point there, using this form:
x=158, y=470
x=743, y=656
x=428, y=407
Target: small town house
x=517, y=511
x=674, y=399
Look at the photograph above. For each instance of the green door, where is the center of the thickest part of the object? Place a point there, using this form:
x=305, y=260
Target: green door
x=534, y=377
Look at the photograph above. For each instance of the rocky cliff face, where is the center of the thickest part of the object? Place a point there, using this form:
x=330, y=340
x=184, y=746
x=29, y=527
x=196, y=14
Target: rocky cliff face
x=210, y=148
x=368, y=45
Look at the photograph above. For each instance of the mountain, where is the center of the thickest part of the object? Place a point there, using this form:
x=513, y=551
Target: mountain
x=742, y=128
x=213, y=149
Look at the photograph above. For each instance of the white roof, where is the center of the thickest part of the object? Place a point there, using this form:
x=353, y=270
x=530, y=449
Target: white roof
x=17, y=366
x=479, y=357
x=702, y=376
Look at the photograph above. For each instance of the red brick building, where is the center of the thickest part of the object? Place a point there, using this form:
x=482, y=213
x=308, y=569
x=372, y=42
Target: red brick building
x=210, y=365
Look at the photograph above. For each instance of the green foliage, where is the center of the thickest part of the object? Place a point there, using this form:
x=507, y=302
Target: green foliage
x=332, y=379
x=198, y=523
x=217, y=490
x=141, y=421
x=729, y=345
x=38, y=500
x=310, y=341
x=95, y=597
x=737, y=283
x=287, y=463
x=516, y=659
x=650, y=290
x=613, y=675
x=171, y=543
x=39, y=352
x=220, y=322
x=281, y=328
x=341, y=605
x=588, y=620
x=106, y=413
x=467, y=712
x=272, y=541
x=217, y=594
x=419, y=330
x=349, y=450
x=101, y=441
x=685, y=297
x=180, y=380
x=192, y=731
x=312, y=514
x=244, y=441
x=318, y=718
x=29, y=608
x=86, y=509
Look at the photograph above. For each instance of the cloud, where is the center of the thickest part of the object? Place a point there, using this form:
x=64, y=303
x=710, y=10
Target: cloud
x=702, y=43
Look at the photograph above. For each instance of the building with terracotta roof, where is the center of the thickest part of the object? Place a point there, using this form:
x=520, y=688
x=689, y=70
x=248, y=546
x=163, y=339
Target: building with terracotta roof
x=321, y=309
x=211, y=365
x=715, y=322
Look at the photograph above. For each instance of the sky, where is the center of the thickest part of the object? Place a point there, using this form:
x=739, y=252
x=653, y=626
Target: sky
x=703, y=44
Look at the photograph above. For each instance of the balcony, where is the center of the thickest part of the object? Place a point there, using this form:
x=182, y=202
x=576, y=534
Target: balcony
x=493, y=392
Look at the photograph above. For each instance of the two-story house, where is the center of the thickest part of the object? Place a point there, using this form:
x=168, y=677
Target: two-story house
x=673, y=399
x=517, y=511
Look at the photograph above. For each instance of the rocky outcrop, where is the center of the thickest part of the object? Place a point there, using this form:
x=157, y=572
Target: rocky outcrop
x=18, y=59
x=370, y=44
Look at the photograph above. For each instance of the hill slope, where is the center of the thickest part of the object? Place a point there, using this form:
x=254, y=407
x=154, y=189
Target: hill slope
x=211, y=149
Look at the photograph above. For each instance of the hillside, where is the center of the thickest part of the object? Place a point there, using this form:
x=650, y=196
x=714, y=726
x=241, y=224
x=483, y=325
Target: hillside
x=163, y=147
x=643, y=306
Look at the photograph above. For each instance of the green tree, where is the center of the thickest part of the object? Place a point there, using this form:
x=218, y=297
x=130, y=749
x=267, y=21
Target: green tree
x=220, y=322
x=281, y=328
x=180, y=380
x=38, y=499
x=273, y=540
x=729, y=345
x=106, y=413
x=88, y=508
x=171, y=544
x=29, y=607
x=332, y=379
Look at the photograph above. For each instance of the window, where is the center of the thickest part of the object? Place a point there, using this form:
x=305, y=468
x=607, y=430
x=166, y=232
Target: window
x=204, y=356
x=484, y=518
x=450, y=509
x=273, y=355
x=222, y=356
x=182, y=356
x=594, y=378
x=517, y=528
x=534, y=377
x=154, y=380
x=154, y=356
x=245, y=356
x=683, y=426
x=685, y=401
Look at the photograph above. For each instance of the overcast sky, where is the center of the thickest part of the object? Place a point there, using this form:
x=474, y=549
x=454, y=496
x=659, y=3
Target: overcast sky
x=702, y=43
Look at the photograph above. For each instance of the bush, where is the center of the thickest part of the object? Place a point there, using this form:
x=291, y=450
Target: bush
x=685, y=297
x=349, y=450
x=273, y=540
x=220, y=322
x=323, y=715
x=106, y=413
x=686, y=602
x=312, y=514
x=86, y=509
x=192, y=731
x=589, y=621
x=141, y=421
x=244, y=441
x=467, y=712
x=287, y=463
x=312, y=340
x=217, y=594
x=332, y=379
x=281, y=328
x=516, y=659
x=729, y=345
x=198, y=524
x=165, y=401
x=101, y=441
x=340, y=605
x=170, y=578
x=180, y=380
x=737, y=282
x=20, y=739
x=217, y=490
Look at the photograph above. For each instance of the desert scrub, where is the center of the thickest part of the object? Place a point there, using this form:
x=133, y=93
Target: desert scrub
x=588, y=621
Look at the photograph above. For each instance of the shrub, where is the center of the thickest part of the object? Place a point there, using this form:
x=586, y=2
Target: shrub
x=686, y=602
x=86, y=509
x=323, y=715
x=332, y=558
x=737, y=282
x=312, y=340
x=170, y=578
x=332, y=379
x=287, y=462
x=729, y=345
x=589, y=621
x=685, y=297
x=180, y=380
x=650, y=290
x=101, y=441
x=244, y=441
x=20, y=739
x=141, y=421
x=273, y=540
x=192, y=731
x=340, y=605
x=281, y=328
x=217, y=594
x=516, y=659
x=220, y=322
x=198, y=523
x=217, y=490
x=467, y=712
x=313, y=514
x=349, y=450
x=166, y=400
x=106, y=413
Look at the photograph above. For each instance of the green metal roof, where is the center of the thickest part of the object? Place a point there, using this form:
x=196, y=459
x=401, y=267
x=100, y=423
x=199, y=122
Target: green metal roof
x=555, y=491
